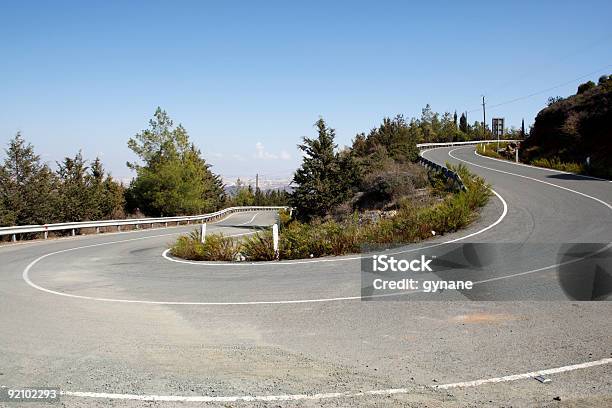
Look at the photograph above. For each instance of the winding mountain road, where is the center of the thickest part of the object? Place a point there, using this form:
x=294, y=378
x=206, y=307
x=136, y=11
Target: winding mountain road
x=114, y=321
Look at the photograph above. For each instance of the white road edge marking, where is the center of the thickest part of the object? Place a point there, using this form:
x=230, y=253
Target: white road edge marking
x=541, y=168
x=532, y=374
x=530, y=178
x=320, y=396
x=27, y=269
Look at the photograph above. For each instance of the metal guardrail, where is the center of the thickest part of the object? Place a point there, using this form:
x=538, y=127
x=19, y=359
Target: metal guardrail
x=469, y=142
x=74, y=226
x=449, y=174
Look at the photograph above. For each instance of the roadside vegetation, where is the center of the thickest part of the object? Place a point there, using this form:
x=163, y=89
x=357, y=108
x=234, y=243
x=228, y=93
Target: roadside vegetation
x=32, y=193
x=506, y=151
x=573, y=134
x=347, y=199
x=444, y=211
x=374, y=177
x=171, y=178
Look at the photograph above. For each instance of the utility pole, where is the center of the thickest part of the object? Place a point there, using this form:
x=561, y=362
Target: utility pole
x=484, y=119
x=257, y=195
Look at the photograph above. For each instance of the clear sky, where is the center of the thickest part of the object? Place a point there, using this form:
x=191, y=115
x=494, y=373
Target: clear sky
x=249, y=79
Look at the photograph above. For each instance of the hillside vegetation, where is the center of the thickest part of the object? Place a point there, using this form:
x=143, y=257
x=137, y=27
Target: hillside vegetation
x=346, y=199
x=571, y=129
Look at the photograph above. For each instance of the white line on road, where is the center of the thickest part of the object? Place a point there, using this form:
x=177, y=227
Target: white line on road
x=320, y=396
x=27, y=279
x=532, y=374
x=248, y=222
x=541, y=168
x=450, y=153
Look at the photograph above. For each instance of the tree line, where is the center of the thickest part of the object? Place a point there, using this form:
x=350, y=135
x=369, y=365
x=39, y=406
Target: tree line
x=246, y=195
x=32, y=193
x=172, y=178
x=330, y=177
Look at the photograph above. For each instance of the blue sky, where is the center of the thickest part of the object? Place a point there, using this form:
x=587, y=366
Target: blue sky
x=249, y=79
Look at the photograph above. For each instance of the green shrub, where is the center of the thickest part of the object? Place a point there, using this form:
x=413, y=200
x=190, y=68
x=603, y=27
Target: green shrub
x=318, y=238
x=295, y=241
x=284, y=218
x=557, y=164
x=215, y=248
x=258, y=247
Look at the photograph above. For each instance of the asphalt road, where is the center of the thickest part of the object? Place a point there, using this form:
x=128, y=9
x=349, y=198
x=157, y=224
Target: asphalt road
x=112, y=322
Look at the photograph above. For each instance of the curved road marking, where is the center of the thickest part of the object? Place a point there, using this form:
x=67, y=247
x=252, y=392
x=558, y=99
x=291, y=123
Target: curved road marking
x=295, y=397
x=541, y=168
x=531, y=178
x=27, y=269
x=320, y=396
x=247, y=222
x=279, y=302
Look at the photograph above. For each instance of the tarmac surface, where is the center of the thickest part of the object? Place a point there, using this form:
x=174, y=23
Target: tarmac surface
x=113, y=322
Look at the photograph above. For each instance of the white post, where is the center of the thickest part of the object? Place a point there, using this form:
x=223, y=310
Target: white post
x=203, y=232
x=516, y=154
x=73, y=232
x=275, y=240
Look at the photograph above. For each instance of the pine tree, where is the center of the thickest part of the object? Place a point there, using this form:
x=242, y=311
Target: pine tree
x=27, y=187
x=107, y=195
x=173, y=177
x=76, y=202
x=320, y=184
x=463, y=123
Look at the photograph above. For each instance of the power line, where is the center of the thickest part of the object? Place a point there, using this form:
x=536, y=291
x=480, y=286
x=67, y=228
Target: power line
x=578, y=51
x=520, y=98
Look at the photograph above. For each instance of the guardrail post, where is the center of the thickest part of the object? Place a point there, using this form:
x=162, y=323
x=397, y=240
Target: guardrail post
x=73, y=232
x=46, y=234
x=203, y=232
x=275, y=240
x=516, y=154
x=14, y=237
x=118, y=228
x=166, y=224
x=151, y=225
x=97, y=230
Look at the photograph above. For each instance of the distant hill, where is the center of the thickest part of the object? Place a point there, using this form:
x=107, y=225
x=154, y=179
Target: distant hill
x=571, y=129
